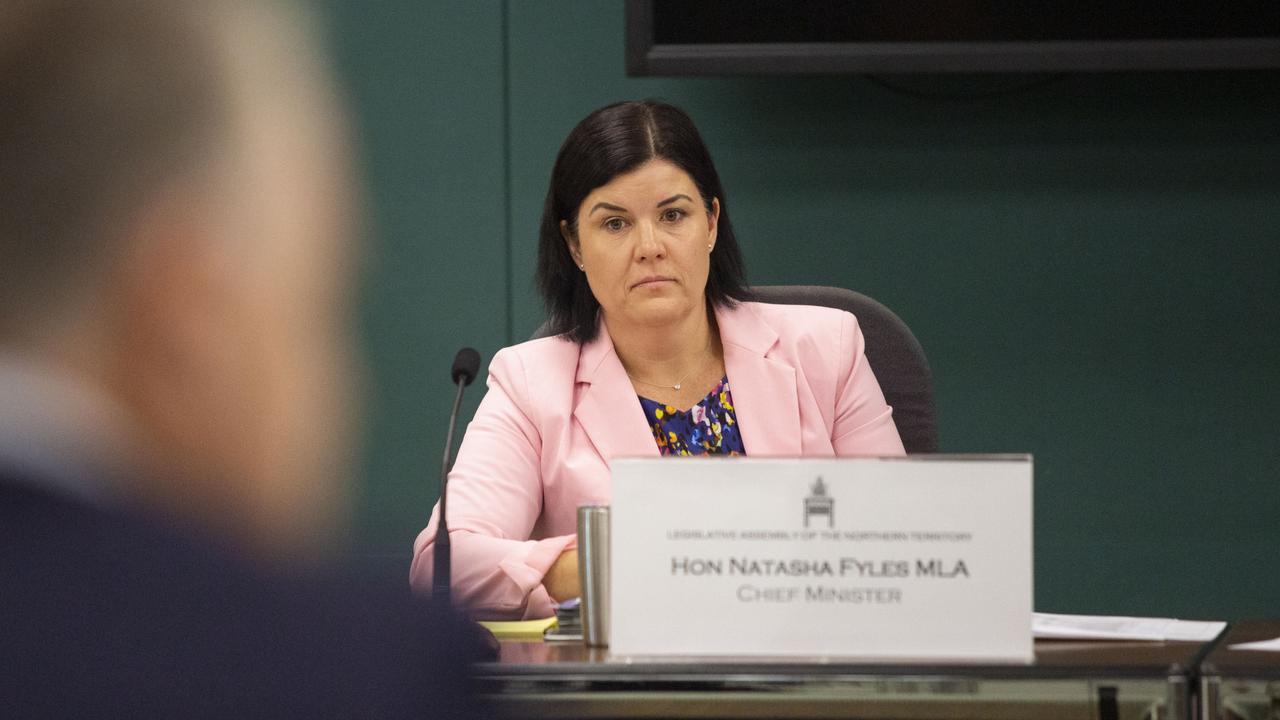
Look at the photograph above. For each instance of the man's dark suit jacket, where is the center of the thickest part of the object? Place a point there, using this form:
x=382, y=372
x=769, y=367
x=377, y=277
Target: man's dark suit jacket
x=107, y=614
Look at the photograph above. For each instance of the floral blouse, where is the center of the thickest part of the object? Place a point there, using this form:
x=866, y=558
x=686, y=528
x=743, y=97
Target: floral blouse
x=708, y=428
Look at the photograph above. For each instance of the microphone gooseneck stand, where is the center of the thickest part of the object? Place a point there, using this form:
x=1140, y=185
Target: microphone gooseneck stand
x=465, y=366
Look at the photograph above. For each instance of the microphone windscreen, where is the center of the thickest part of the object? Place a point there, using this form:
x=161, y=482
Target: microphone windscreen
x=465, y=365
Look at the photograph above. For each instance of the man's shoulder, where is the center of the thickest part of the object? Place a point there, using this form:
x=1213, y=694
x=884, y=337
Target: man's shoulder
x=112, y=610
x=40, y=524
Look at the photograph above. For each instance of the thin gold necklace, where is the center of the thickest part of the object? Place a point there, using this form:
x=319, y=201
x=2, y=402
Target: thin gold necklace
x=679, y=383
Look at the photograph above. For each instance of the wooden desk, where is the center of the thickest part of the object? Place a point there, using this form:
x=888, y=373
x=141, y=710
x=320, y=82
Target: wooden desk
x=1069, y=680
x=1242, y=684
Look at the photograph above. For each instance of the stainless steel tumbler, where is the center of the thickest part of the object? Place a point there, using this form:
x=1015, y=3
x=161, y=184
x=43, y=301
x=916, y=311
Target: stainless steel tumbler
x=593, y=573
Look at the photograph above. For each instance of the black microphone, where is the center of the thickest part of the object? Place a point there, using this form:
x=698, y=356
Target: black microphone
x=465, y=366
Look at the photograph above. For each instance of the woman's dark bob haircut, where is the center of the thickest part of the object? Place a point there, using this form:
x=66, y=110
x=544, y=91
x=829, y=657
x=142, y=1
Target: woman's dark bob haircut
x=609, y=142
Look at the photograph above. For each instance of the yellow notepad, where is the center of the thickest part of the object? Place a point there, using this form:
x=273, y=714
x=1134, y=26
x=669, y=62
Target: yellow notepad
x=519, y=629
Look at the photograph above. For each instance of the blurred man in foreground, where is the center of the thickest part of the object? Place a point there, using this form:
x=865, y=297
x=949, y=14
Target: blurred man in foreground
x=174, y=279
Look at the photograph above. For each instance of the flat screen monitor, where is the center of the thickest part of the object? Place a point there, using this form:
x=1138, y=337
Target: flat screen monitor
x=756, y=37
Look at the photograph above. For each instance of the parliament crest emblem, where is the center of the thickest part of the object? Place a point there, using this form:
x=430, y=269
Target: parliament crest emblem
x=819, y=503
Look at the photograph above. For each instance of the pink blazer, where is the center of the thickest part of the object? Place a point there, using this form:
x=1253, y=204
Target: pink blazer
x=556, y=412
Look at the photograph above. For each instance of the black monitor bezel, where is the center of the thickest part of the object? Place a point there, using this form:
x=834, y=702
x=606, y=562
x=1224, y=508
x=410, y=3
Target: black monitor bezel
x=645, y=58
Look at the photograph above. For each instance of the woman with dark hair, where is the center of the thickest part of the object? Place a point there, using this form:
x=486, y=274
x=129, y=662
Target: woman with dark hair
x=650, y=324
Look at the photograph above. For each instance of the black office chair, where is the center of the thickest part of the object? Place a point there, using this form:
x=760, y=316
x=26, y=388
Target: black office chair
x=893, y=351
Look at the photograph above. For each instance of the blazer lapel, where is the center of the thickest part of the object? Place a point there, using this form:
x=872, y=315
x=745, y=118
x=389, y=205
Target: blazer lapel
x=608, y=409
x=763, y=390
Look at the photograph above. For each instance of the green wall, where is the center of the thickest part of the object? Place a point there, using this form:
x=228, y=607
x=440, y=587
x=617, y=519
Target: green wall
x=1091, y=262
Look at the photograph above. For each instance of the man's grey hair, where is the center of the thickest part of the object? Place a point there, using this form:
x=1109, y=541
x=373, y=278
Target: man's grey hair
x=103, y=104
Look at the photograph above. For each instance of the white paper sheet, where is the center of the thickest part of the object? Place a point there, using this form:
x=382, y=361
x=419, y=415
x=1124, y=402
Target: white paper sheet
x=1108, y=627
x=1272, y=645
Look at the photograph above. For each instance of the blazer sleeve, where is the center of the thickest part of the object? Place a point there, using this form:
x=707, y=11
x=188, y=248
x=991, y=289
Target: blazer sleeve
x=495, y=499
x=863, y=421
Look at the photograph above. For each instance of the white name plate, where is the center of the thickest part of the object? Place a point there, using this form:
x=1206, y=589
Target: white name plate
x=908, y=559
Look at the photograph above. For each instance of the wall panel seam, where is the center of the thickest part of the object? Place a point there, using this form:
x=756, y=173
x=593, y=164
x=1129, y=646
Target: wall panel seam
x=509, y=279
